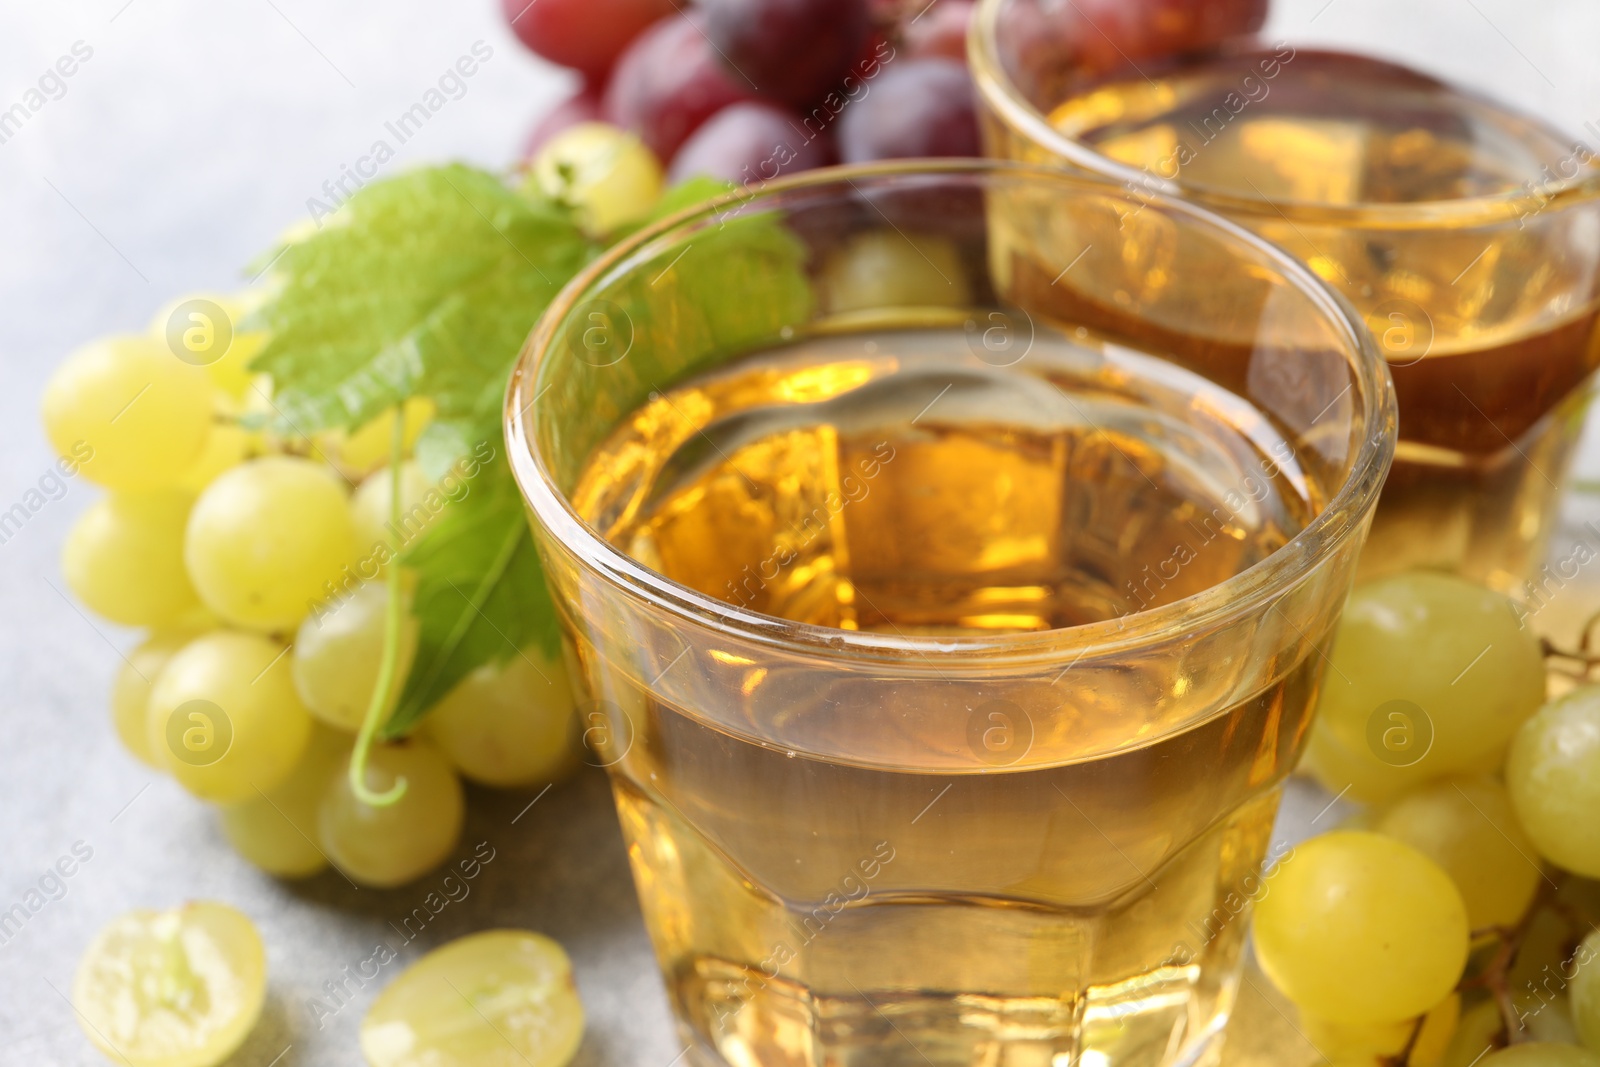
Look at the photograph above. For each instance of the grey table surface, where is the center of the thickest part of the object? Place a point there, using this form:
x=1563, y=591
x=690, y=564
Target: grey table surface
x=193, y=135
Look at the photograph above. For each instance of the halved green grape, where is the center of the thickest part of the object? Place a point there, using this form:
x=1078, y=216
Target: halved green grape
x=1371, y=1042
x=1553, y=774
x=1584, y=990
x=1359, y=928
x=338, y=650
x=178, y=988
x=392, y=845
x=509, y=724
x=367, y=448
x=887, y=268
x=124, y=558
x=224, y=717
x=605, y=173
x=277, y=830
x=267, y=539
x=1466, y=826
x=130, y=412
x=1431, y=673
x=1541, y=1054
x=130, y=692
x=421, y=502
x=501, y=998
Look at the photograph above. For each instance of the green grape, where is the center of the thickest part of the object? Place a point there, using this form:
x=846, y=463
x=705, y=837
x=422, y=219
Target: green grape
x=1357, y=927
x=886, y=268
x=1584, y=990
x=267, y=539
x=421, y=502
x=133, y=414
x=1431, y=673
x=510, y=724
x=178, y=988
x=605, y=173
x=367, y=448
x=227, y=445
x=1369, y=1042
x=224, y=717
x=1545, y=1016
x=1541, y=1054
x=1466, y=826
x=500, y=998
x=1478, y=1032
x=124, y=558
x=1553, y=774
x=390, y=846
x=130, y=692
x=229, y=368
x=277, y=831
x=1356, y=775
x=337, y=653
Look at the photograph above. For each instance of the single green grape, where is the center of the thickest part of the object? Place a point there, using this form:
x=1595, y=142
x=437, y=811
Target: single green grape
x=421, y=502
x=1583, y=992
x=266, y=541
x=178, y=988
x=1541, y=1054
x=277, y=831
x=124, y=558
x=392, y=845
x=338, y=650
x=367, y=447
x=132, y=414
x=221, y=346
x=224, y=718
x=1370, y=1042
x=1431, y=674
x=605, y=173
x=130, y=692
x=1356, y=775
x=500, y=998
x=509, y=724
x=227, y=445
x=1553, y=774
x=1466, y=826
x=1478, y=1031
x=887, y=268
x=1356, y=927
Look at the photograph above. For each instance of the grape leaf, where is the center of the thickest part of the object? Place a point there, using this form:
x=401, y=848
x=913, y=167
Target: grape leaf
x=480, y=594
x=428, y=283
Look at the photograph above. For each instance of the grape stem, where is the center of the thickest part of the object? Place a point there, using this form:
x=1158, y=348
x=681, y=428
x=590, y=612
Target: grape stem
x=1494, y=974
x=391, y=647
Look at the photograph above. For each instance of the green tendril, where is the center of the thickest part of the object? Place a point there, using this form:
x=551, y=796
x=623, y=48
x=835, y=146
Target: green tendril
x=391, y=643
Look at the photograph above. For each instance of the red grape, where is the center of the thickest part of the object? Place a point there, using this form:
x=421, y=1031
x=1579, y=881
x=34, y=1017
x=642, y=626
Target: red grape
x=581, y=106
x=790, y=50
x=917, y=107
x=587, y=35
x=940, y=29
x=748, y=143
x=1109, y=34
x=668, y=82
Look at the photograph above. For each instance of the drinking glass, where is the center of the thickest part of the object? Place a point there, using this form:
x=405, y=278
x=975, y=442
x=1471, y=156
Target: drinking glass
x=1463, y=224
x=950, y=595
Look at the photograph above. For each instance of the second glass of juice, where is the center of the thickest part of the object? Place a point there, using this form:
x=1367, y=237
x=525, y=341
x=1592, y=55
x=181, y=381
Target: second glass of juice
x=1464, y=227
x=951, y=597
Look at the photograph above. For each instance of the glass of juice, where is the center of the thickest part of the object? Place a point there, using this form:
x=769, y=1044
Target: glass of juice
x=1422, y=163
x=950, y=595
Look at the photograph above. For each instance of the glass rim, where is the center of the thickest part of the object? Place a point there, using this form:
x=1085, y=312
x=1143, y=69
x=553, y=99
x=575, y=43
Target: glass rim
x=996, y=88
x=1340, y=519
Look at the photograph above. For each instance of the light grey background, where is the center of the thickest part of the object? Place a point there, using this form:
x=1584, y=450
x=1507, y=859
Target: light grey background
x=194, y=134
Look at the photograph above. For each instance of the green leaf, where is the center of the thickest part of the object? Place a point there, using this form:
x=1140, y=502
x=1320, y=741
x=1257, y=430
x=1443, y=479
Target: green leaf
x=427, y=283
x=480, y=595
